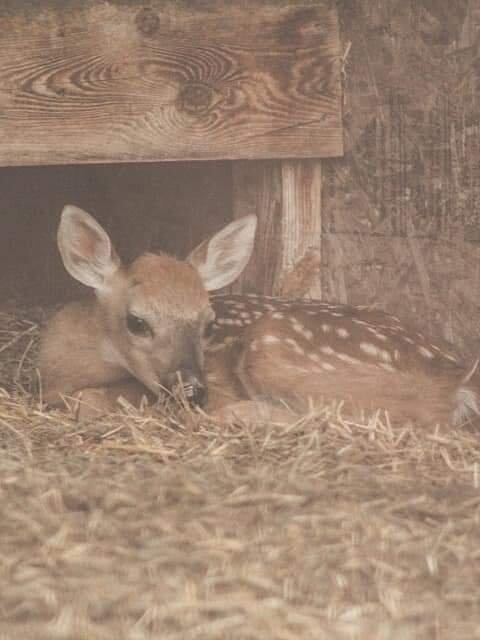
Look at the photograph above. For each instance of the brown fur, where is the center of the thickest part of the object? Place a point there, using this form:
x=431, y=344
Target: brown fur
x=70, y=343
x=143, y=330
x=277, y=351
x=263, y=354
x=71, y=354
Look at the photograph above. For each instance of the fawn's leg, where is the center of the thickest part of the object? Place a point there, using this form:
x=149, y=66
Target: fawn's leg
x=95, y=401
x=230, y=395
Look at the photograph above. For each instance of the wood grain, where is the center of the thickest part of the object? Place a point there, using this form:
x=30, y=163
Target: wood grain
x=301, y=218
x=286, y=197
x=86, y=81
x=401, y=210
x=257, y=188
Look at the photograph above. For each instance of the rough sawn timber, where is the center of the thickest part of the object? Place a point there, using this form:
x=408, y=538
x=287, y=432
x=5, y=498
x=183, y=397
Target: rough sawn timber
x=286, y=195
x=86, y=81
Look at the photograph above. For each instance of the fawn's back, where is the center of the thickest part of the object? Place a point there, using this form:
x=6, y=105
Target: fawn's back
x=304, y=350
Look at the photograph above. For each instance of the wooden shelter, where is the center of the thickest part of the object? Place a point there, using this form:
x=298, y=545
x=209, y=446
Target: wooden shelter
x=256, y=82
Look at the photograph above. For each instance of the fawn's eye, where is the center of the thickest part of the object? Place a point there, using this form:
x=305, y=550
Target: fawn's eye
x=138, y=326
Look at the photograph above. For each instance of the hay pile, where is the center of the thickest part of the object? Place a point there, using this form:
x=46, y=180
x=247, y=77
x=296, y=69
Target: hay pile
x=139, y=526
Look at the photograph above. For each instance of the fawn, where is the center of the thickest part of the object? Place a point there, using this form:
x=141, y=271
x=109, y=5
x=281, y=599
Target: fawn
x=151, y=325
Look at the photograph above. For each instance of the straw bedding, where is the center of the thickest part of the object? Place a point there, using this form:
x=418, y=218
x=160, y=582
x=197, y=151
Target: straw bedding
x=143, y=525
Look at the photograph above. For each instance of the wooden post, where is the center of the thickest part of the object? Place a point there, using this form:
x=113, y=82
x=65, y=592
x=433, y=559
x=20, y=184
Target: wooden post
x=286, y=197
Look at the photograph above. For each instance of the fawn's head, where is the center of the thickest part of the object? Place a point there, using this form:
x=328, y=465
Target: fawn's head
x=154, y=312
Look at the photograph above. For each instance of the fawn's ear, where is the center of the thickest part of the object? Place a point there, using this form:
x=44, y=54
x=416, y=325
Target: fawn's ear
x=85, y=247
x=222, y=258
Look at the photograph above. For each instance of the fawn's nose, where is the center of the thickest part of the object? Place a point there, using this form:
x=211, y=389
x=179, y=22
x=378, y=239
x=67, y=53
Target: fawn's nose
x=191, y=385
x=195, y=392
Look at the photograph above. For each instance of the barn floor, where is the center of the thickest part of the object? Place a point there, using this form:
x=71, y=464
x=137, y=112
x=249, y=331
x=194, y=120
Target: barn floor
x=138, y=526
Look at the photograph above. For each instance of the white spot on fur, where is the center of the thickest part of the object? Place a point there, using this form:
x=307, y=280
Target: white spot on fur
x=327, y=366
x=385, y=355
x=450, y=357
x=270, y=339
x=278, y=315
x=327, y=350
x=254, y=345
x=342, y=333
x=357, y=321
x=295, y=346
x=348, y=359
x=388, y=367
x=409, y=340
x=396, y=355
x=326, y=327
x=426, y=353
x=306, y=333
x=314, y=357
x=369, y=348
x=377, y=334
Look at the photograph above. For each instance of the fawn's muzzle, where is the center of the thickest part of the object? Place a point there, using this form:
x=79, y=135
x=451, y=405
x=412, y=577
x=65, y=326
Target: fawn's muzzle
x=190, y=385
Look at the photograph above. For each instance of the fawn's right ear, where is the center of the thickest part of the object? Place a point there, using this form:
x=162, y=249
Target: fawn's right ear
x=85, y=247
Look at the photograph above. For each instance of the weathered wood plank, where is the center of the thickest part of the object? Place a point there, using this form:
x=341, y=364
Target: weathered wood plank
x=257, y=188
x=87, y=81
x=401, y=210
x=301, y=218
x=286, y=197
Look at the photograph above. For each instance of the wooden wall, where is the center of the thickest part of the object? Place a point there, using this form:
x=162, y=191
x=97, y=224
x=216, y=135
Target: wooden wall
x=401, y=219
x=168, y=206
x=401, y=210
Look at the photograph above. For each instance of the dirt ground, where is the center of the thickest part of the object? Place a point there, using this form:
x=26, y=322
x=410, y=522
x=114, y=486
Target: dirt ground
x=140, y=525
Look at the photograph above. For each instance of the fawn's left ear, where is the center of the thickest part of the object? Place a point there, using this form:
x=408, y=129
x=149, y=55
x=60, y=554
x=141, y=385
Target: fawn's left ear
x=222, y=258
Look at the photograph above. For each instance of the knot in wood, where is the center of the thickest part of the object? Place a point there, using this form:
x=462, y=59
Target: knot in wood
x=304, y=26
x=196, y=97
x=147, y=21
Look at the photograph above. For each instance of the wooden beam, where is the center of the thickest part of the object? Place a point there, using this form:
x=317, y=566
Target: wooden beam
x=87, y=81
x=286, y=197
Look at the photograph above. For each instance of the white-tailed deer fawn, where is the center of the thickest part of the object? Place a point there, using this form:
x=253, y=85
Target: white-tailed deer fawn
x=152, y=324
